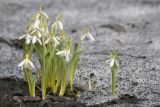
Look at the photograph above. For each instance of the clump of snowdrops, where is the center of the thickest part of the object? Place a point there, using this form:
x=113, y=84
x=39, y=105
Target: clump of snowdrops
x=57, y=54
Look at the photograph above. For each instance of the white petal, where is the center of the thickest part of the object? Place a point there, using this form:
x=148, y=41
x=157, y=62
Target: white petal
x=21, y=64
x=39, y=34
x=28, y=39
x=36, y=24
x=91, y=37
x=67, y=58
x=21, y=37
x=60, y=25
x=31, y=64
x=68, y=52
x=42, y=29
x=108, y=61
x=56, y=41
x=58, y=38
x=61, y=53
x=39, y=41
x=112, y=62
x=83, y=36
x=116, y=63
x=46, y=42
x=34, y=39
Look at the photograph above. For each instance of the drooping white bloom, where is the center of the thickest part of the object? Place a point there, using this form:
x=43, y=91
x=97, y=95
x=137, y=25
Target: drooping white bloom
x=65, y=53
x=26, y=63
x=112, y=61
x=88, y=36
x=30, y=39
x=27, y=37
x=36, y=36
x=36, y=24
x=57, y=25
x=60, y=25
x=54, y=39
x=35, y=39
x=113, y=58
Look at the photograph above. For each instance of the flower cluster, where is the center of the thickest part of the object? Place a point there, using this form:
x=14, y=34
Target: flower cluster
x=57, y=54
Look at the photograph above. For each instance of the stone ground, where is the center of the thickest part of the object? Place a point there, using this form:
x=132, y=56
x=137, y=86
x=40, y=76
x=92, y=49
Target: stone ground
x=131, y=26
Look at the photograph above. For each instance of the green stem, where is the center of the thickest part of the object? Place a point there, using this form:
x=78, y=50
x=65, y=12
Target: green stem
x=31, y=82
x=43, y=74
x=114, y=69
x=64, y=80
x=43, y=86
x=73, y=64
x=59, y=72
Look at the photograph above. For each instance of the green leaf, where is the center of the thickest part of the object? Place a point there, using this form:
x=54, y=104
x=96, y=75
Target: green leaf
x=74, y=62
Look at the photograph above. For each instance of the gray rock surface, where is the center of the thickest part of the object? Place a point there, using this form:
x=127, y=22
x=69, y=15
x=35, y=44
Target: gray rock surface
x=131, y=26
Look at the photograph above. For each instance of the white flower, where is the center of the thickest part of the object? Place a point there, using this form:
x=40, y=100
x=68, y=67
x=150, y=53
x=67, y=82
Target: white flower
x=112, y=61
x=30, y=39
x=65, y=53
x=57, y=25
x=26, y=63
x=60, y=25
x=35, y=39
x=27, y=37
x=36, y=24
x=55, y=40
x=113, y=58
x=89, y=36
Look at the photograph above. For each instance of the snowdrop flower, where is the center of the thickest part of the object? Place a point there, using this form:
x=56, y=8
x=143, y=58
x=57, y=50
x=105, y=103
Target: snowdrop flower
x=113, y=59
x=27, y=37
x=65, y=53
x=57, y=25
x=54, y=39
x=60, y=25
x=36, y=24
x=89, y=36
x=35, y=39
x=26, y=63
x=30, y=39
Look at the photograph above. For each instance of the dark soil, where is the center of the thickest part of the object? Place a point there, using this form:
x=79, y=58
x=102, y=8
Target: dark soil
x=14, y=93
